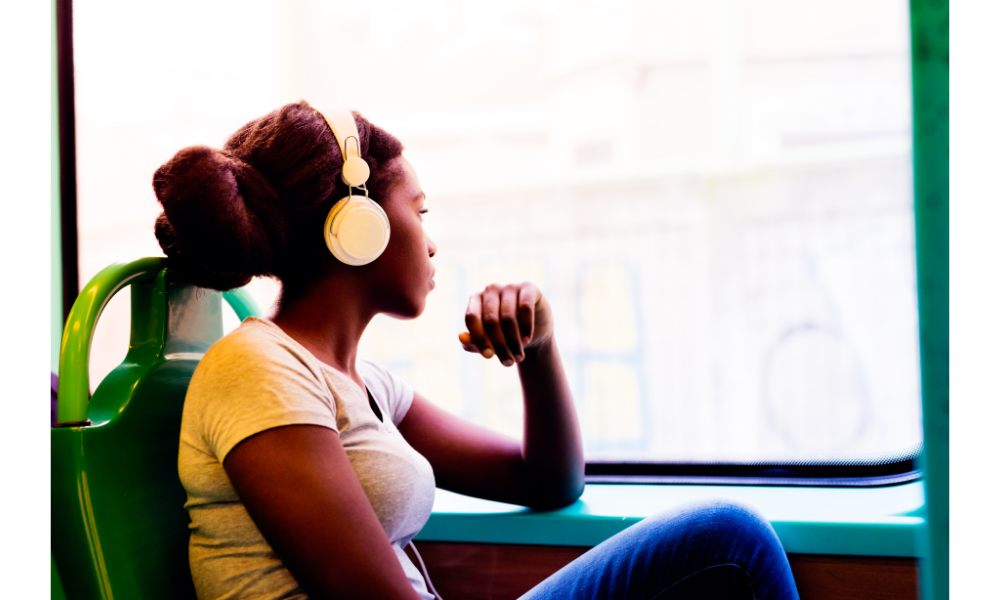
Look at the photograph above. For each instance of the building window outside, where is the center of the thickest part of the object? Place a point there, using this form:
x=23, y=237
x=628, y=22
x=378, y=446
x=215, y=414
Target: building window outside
x=716, y=196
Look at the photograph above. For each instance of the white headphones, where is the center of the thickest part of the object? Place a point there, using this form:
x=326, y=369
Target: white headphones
x=357, y=229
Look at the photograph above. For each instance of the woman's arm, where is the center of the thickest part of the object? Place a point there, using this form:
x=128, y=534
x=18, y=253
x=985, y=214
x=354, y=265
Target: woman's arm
x=545, y=470
x=301, y=491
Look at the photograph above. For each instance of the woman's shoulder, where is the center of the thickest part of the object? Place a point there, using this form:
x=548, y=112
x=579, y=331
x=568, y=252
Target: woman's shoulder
x=255, y=342
x=253, y=379
x=256, y=351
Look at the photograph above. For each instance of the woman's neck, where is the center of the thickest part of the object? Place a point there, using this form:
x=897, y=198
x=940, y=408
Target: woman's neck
x=328, y=321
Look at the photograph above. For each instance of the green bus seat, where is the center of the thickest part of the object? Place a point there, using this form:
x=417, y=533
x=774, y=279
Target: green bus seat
x=119, y=528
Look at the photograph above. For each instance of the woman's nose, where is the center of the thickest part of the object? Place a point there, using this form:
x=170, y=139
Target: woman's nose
x=431, y=247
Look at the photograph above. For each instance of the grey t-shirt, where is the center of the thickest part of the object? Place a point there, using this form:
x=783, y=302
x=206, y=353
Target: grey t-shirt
x=257, y=378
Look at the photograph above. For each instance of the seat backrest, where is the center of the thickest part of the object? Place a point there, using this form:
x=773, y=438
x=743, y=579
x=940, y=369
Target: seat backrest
x=119, y=528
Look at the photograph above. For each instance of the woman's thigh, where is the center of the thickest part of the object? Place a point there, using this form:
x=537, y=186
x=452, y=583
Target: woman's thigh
x=716, y=549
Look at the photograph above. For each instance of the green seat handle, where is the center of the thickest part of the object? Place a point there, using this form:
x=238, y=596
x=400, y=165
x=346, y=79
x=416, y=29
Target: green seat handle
x=74, y=352
x=242, y=303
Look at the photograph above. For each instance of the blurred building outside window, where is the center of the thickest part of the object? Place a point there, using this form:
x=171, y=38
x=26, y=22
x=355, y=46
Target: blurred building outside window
x=715, y=195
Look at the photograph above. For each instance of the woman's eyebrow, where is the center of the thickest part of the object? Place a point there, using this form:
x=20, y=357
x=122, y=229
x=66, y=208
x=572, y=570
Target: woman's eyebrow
x=420, y=196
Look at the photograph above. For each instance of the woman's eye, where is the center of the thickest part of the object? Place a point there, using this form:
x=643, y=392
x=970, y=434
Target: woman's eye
x=422, y=212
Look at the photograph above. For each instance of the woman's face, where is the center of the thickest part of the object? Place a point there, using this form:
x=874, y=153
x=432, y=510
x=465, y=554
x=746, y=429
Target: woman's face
x=403, y=275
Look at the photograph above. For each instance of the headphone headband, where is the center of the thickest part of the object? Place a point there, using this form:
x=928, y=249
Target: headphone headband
x=345, y=130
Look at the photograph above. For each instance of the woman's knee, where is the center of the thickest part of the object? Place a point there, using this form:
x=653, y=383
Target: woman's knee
x=741, y=516
x=716, y=521
x=691, y=538
x=742, y=521
x=711, y=510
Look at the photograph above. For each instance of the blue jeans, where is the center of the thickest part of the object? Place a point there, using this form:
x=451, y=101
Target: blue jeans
x=707, y=550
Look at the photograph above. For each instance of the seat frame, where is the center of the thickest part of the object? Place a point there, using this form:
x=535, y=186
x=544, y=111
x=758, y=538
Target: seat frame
x=119, y=527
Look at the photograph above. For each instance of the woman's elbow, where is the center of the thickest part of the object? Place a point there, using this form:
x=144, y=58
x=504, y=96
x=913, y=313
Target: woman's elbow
x=557, y=492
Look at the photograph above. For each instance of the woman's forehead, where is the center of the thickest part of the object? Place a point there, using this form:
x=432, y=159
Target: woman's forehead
x=408, y=185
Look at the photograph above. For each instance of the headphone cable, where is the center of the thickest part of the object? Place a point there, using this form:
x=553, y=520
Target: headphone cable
x=423, y=570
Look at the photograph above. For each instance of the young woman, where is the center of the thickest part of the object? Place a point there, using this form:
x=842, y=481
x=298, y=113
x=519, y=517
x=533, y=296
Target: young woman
x=309, y=470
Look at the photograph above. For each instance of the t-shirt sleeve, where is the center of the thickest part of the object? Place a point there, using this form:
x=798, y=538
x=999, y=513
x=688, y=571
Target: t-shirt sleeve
x=390, y=391
x=245, y=386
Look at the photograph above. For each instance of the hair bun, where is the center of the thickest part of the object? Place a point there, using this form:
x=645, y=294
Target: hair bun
x=219, y=225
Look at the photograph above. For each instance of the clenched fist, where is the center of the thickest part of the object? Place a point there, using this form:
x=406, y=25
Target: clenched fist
x=505, y=321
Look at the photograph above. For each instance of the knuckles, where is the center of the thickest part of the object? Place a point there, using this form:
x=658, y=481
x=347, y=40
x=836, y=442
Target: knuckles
x=502, y=306
x=511, y=288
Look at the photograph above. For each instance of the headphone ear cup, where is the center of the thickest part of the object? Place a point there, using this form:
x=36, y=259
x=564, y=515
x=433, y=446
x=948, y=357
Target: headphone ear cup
x=356, y=230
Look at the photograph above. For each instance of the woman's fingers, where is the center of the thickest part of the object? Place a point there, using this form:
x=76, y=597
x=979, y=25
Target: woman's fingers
x=526, y=299
x=492, y=324
x=466, y=340
x=501, y=321
x=508, y=322
x=474, y=323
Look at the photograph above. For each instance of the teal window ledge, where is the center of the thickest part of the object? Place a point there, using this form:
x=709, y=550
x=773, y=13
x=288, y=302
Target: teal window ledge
x=880, y=521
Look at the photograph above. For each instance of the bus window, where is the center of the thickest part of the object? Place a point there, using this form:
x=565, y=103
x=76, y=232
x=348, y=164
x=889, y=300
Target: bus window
x=731, y=181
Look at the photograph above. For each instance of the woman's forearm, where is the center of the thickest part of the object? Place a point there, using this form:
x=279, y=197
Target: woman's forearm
x=514, y=323
x=552, y=449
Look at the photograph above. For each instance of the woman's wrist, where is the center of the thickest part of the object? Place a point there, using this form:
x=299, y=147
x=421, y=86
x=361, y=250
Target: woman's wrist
x=539, y=349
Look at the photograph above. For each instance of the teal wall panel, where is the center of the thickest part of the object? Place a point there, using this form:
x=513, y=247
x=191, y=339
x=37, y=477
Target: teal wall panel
x=929, y=35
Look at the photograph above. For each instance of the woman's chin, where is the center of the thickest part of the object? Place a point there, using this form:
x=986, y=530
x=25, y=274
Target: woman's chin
x=408, y=310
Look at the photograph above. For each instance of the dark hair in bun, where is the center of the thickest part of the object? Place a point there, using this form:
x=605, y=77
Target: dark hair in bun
x=257, y=206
